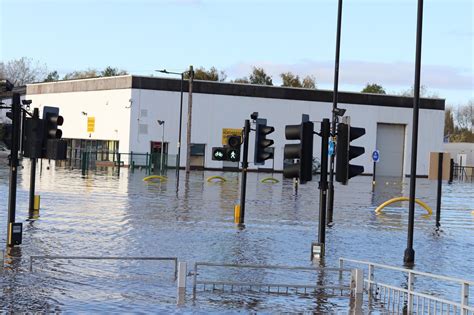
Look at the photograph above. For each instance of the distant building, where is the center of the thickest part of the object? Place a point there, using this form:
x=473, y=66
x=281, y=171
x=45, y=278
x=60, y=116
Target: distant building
x=124, y=111
x=461, y=152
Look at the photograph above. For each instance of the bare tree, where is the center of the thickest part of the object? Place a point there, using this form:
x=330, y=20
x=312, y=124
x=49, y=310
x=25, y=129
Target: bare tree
x=23, y=71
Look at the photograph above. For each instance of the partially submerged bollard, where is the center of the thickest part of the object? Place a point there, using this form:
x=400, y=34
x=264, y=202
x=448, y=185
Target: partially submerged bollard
x=182, y=273
x=2, y=258
x=357, y=290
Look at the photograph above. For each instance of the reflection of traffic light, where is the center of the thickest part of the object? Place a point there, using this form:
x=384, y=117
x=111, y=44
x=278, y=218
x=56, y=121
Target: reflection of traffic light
x=7, y=135
x=302, y=151
x=262, y=151
x=53, y=147
x=345, y=152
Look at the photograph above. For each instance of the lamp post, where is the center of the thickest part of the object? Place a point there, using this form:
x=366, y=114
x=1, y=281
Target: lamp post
x=162, y=123
x=178, y=157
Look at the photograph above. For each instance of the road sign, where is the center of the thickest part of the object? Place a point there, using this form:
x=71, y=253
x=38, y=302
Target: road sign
x=331, y=148
x=228, y=132
x=376, y=156
x=90, y=124
x=233, y=155
x=218, y=154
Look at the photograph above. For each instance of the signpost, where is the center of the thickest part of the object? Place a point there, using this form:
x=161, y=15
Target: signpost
x=375, y=159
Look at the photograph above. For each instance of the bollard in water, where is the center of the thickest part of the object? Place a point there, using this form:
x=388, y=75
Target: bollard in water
x=357, y=291
x=182, y=273
x=2, y=258
x=237, y=214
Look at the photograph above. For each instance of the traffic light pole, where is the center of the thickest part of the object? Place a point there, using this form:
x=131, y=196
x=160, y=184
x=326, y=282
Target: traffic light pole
x=16, y=116
x=409, y=256
x=334, y=116
x=33, y=177
x=245, y=165
x=323, y=182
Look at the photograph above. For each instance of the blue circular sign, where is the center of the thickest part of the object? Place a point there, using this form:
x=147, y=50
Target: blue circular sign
x=376, y=156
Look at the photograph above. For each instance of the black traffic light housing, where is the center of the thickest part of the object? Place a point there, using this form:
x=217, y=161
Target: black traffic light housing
x=53, y=147
x=33, y=136
x=302, y=151
x=230, y=151
x=346, y=152
x=262, y=151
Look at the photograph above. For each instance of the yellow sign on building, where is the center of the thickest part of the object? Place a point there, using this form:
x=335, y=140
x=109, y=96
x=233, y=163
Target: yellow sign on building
x=90, y=124
x=228, y=132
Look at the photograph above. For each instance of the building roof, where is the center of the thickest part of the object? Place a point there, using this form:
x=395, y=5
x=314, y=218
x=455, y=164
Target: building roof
x=231, y=89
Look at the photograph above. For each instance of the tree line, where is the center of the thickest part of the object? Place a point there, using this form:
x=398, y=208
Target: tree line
x=458, y=122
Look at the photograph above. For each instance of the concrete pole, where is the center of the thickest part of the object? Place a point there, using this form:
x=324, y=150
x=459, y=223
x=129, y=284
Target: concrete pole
x=190, y=114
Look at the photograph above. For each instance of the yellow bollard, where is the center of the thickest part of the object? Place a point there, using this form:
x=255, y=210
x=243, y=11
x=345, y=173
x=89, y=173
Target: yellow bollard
x=36, y=203
x=237, y=214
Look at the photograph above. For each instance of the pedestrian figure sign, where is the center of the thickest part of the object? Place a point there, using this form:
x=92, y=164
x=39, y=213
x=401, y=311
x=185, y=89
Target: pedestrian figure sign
x=233, y=155
x=376, y=156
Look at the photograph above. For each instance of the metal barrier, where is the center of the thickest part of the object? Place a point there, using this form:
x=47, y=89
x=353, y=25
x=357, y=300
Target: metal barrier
x=175, y=259
x=395, y=298
x=234, y=285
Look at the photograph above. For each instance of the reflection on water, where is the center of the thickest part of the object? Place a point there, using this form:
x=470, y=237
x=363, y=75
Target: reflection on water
x=105, y=215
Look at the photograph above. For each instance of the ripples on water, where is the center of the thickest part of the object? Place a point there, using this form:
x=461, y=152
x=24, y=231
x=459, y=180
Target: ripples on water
x=105, y=215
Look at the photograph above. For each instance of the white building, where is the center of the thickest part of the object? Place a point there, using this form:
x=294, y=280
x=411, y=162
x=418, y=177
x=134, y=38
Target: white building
x=126, y=110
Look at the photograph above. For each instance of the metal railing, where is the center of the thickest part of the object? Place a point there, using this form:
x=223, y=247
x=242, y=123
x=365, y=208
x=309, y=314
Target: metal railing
x=407, y=300
x=463, y=173
x=174, y=259
x=284, y=288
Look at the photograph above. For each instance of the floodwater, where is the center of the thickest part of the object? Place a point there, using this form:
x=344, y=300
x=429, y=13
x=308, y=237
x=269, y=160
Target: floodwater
x=107, y=215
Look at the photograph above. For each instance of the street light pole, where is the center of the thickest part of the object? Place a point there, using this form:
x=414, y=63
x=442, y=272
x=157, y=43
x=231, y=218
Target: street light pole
x=190, y=115
x=178, y=158
x=409, y=257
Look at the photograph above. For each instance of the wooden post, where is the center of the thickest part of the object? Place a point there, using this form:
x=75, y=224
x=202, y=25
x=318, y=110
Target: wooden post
x=190, y=114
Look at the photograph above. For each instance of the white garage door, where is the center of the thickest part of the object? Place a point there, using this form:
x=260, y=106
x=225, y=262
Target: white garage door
x=390, y=143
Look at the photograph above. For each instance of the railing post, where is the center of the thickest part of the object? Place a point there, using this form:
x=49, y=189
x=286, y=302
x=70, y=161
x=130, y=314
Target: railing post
x=194, y=280
x=409, y=293
x=341, y=265
x=357, y=291
x=182, y=273
x=2, y=259
x=371, y=277
x=464, y=298
x=31, y=263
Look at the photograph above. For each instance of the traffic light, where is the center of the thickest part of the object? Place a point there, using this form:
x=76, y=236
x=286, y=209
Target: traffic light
x=346, y=152
x=262, y=151
x=302, y=151
x=53, y=147
x=233, y=148
x=33, y=138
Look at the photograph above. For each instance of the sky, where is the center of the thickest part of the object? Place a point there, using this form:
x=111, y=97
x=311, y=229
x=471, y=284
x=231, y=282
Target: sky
x=377, y=41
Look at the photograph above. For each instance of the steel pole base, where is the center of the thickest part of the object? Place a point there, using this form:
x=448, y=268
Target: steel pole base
x=409, y=258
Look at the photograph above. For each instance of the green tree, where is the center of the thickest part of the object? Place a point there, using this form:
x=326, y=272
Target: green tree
x=83, y=74
x=291, y=80
x=23, y=71
x=448, y=122
x=259, y=76
x=208, y=75
x=112, y=72
x=243, y=80
x=373, y=88
x=52, y=76
x=309, y=82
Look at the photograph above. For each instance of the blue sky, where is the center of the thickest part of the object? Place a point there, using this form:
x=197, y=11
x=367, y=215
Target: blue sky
x=378, y=39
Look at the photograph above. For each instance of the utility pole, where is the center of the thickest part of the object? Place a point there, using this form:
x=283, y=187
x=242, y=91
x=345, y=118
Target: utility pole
x=330, y=209
x=16, y=118
x=409, y=257
x=323, y=182
x=245, y=165
x=190, y=114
